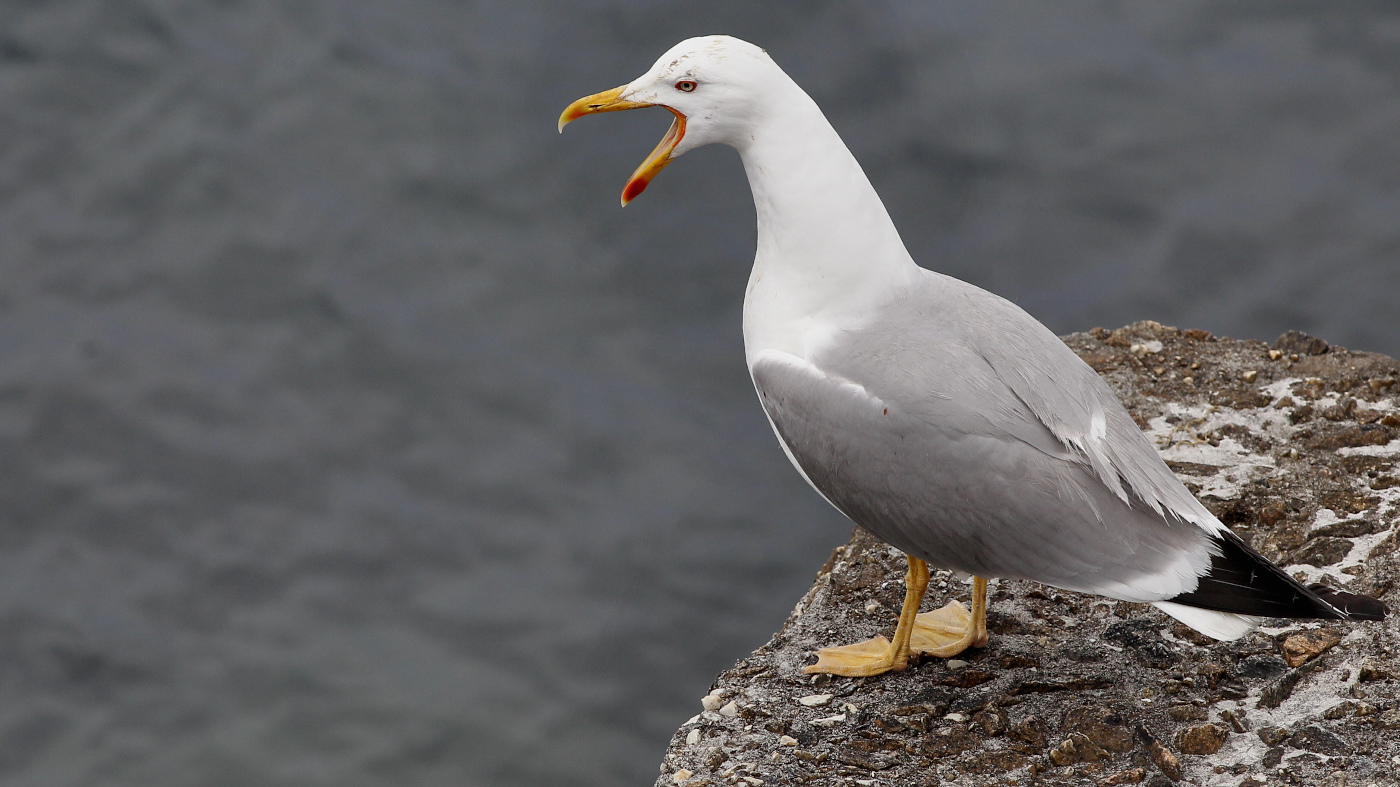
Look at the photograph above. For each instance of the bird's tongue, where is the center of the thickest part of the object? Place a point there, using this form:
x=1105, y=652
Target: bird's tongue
x=657, y=161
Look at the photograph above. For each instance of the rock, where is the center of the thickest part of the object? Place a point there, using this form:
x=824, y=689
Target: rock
x=1299, y=343
x=1322, y=552
x=1103, y=727
x=1351, y=437
x=813, y=700
x=1372, y=671
x=1099, y=674
x=1261, y=666
x=1272, y=514
x=1186, y=713
x=1298, y=648
x=1350, y=528
x=993, y=722
x=1030, y=730
x=1145, y=639
x=1204, y=739
x=1168, y=763
x=1340, y=710
x=1275, y=693
x=1318, y=739
x=1130, y=776
x=1271, y=758
x=1077, y=748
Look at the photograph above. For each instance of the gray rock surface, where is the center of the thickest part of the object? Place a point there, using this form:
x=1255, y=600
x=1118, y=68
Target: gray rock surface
x=1293, y=446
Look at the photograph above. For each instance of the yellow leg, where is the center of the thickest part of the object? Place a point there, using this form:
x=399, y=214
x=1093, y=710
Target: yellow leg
x=879, y=655
x=949, y=631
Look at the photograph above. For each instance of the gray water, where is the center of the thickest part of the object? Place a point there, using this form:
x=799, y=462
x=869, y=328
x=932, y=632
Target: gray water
x=353, y=435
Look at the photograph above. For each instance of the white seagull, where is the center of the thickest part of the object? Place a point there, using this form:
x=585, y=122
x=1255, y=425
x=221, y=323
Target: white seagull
x=938, y=416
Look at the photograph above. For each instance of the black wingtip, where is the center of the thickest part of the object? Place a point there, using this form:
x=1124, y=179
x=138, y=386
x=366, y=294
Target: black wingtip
x=1244, y=582
x=1353, y=605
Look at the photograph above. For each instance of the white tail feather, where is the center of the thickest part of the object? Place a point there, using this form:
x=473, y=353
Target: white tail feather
x=1218, y=625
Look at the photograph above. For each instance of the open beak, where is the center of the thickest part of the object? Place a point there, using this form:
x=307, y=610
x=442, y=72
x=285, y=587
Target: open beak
x=611, y=101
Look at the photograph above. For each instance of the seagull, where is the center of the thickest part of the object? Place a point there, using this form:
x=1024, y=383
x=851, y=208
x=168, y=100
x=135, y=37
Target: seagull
x=941, y=418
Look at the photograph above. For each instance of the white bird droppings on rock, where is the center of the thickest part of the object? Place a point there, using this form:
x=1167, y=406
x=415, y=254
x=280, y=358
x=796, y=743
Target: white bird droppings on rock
x=731, y=710
x=813, y=700
x=681, y=775
x=693, y=738
x=710, y=701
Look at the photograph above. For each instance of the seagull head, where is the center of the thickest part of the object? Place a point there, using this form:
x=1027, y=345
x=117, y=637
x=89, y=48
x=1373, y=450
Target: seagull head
x=714, y=85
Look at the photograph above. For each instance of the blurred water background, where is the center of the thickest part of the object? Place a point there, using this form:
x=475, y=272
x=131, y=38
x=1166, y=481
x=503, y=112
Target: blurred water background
x=353, y=435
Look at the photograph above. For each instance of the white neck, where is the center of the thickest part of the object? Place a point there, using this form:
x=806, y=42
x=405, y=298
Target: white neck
x=826, y=246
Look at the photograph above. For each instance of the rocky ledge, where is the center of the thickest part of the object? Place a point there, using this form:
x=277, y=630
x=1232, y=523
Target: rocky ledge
x=1293, y=446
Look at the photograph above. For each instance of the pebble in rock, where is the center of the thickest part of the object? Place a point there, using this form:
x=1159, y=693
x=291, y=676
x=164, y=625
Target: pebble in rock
x=731, y=710
x=813, y=700
x=681, y=775
x=1130, y=776
x=1203, y=739
x=1299, y=648
x=710, y=701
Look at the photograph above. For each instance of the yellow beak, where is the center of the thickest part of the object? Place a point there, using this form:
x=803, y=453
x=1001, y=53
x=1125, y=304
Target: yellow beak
x=611, y=101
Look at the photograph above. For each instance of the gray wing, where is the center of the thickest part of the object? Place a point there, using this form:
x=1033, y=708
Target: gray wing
x=1069, y=398
x=998, y=458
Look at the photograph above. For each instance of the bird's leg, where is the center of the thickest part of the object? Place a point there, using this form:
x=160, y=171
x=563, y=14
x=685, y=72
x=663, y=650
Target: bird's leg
x=949, y=631
x=879, y=655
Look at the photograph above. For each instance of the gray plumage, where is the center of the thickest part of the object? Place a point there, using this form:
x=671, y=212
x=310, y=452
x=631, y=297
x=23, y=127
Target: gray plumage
x=947, y=444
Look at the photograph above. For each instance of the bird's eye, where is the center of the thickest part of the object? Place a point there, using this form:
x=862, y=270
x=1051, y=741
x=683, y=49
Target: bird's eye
x=685, y=85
